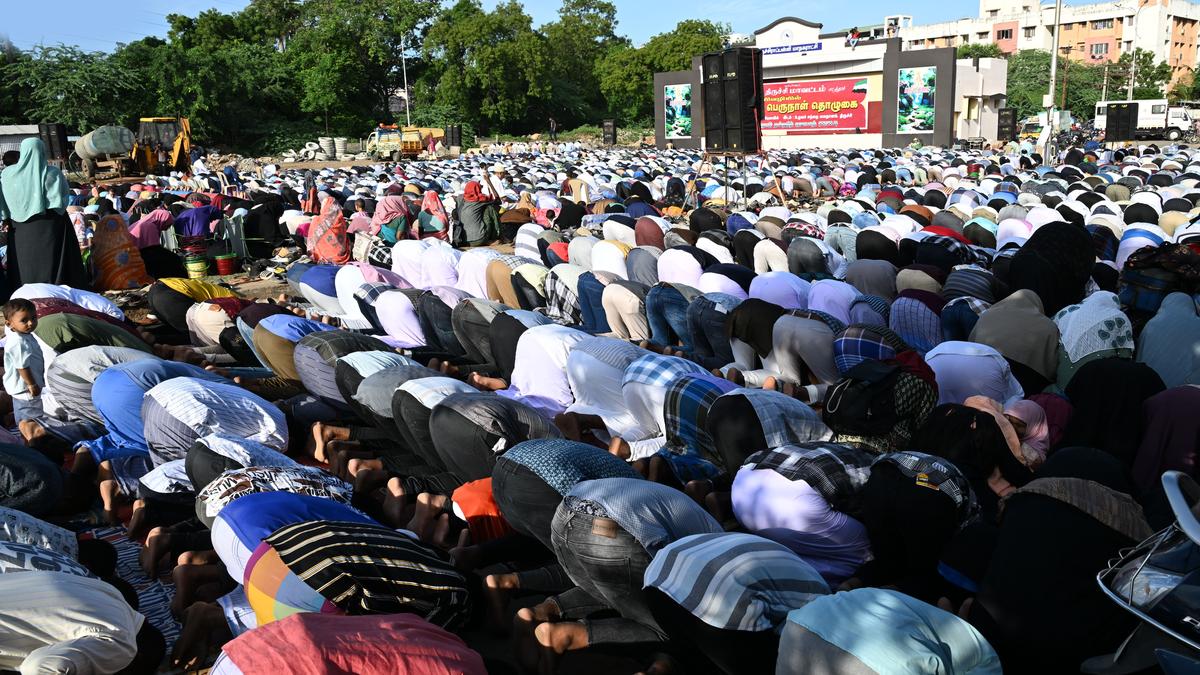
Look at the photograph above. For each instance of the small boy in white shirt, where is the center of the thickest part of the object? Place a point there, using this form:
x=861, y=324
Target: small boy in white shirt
x=24, y=367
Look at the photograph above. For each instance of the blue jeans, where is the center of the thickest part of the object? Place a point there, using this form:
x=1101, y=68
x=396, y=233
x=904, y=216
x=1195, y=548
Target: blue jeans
x=27, y=409
x=591, y=292
x=666, y=311
x=707, y=323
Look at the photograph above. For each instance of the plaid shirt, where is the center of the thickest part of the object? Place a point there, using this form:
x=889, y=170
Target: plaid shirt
x=978, y=306
x=685, y=413
x=879, y=305
x=656, y=370
x=562, y=303
x=784, y=419
x=861, y=342
x=838, y=472
x=935, y=472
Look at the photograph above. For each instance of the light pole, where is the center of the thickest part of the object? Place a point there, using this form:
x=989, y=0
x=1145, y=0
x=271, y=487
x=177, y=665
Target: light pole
x=1048, y=103
x=1133, y=50
x=407, y=97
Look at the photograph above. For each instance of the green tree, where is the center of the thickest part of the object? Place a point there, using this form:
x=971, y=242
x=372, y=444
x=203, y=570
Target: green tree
x=627, y=74
x=65, y=84
x=11, y=93
x=1151, y=78
x=491, y=65
x=582, y=35
x=979, y=50
x=1029, y=81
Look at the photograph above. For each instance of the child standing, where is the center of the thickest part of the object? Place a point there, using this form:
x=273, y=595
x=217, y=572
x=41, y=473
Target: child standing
x=24, y=367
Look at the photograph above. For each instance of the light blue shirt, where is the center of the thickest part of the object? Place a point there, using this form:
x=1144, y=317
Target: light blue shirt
x=21, y=350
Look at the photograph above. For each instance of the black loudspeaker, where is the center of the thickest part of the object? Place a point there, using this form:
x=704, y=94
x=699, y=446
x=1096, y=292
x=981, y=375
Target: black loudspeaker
x=733, y=104
x=454, y=135
x=609, y=128
x=55, y=138
x=1121, y=121
x=1007, y=124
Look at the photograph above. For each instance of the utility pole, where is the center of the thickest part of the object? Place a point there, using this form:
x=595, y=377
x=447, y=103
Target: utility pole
x=1048, y=103
x=1062, y=105
x=407, y=97
x=1104, y=94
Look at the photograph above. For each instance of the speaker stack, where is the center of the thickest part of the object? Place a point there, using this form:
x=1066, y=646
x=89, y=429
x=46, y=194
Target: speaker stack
x=609, y=131
x=733, y=105
x=55, y=138
x=454, y=135
x=1006, y=124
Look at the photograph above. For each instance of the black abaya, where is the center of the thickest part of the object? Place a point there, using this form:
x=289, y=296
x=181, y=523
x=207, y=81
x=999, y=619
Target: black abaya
x=44, y=249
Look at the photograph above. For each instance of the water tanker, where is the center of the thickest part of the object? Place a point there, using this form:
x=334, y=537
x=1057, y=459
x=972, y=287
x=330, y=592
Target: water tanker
x=107, y=140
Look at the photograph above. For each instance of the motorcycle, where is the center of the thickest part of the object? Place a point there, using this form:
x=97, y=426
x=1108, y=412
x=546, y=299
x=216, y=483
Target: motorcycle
x=1158, y=581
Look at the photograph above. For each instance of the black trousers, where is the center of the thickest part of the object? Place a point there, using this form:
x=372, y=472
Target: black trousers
x=909, y=525
x=464, y=448
x=736, y=432
x=526, y=501
x=705, y=649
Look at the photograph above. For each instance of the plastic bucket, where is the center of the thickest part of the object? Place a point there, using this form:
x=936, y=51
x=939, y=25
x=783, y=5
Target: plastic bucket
x=197, y=268
x=226, y=264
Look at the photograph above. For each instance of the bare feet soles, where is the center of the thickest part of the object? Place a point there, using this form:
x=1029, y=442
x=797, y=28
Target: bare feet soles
x=323, y=433
x=485, y=383
x=395, y=503
x=498, y=590
x=429, y=509
x=617, y=446
x=555, y=639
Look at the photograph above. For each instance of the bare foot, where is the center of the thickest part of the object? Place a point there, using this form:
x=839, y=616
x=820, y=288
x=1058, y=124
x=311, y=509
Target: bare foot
x=323, y=433
x=719, y=504
x=497, y=591
x=617, y=446
x=223, y=372
x=429, y=508
x=484, y=383
x=203, y=626
x=698, y=490
x=568, y=424
x=663, y=664
x=526, y=620
x=110, y=495
x=395, y=503
x=466, y=558
x=158, y=542
x=31, y=431
x=359, y=465
x=735, y=376
x=449, y=369
x=137, y=520
x=367, y=480
x=556, y=639
x=772, y=383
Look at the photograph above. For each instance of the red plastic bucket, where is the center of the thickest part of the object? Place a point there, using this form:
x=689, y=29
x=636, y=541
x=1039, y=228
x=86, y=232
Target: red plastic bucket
x=226, y=264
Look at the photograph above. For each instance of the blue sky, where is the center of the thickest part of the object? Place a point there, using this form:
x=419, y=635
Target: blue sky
x=97, y=25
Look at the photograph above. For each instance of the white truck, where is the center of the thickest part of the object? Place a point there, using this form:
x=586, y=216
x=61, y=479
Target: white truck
x=1156, y=118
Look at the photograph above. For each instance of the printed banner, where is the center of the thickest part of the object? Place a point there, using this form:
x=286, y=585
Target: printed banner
x=914, y=102
x=677, y=101
x=816, y=106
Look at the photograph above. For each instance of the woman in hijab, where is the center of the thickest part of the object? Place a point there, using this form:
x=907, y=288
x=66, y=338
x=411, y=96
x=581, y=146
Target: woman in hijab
x=147, y=235
x=1174, y=325
x=1055, y=263
x=432, y=222
x=327, y=243
x=1022, y=333
x=391, y=218
x=1108, y=397
x=1029, y=421
x=1093, y=329
x=478, y=216
x=41, y=241
x=1077, y=514
x=1172, y=436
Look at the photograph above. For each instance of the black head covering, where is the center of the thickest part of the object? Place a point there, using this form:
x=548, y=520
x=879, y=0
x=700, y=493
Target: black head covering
x=1107, y=397
x=703, y=219
x=753, y=322
x=1055, y=263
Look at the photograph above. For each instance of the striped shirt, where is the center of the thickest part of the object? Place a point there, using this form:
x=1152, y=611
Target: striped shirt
x=507, y=418
x=208, y=407
x=365, y=568
x=734, y=581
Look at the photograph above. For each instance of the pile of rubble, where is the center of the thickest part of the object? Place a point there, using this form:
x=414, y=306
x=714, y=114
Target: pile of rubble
x=324, y=149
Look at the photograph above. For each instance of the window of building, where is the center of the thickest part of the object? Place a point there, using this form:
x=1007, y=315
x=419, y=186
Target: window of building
x=1103, y=24
x=1030, y=32
x=981, y=37
x=1099, y=50
x=1005, y=34
x=993, y=12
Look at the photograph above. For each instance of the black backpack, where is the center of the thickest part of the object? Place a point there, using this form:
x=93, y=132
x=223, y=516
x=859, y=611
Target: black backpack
x=863, y=402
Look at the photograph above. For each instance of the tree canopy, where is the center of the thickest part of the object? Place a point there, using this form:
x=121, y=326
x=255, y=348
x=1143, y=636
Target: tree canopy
x=1084, y=83
x=280, y=72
